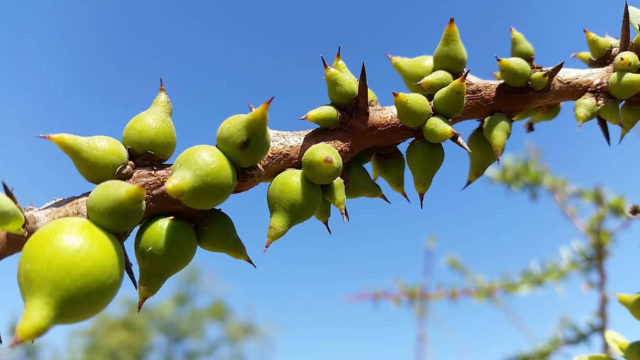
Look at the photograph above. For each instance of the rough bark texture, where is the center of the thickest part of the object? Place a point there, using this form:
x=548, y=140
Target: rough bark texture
x=358, y=131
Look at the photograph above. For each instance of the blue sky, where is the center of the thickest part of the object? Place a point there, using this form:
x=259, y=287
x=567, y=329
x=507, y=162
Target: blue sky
x=87, y=68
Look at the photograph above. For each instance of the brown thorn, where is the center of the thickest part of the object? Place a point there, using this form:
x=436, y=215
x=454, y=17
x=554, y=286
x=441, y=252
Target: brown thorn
x=161, y=85
x=248, y=259
x=469, y=182
x=421, y=196
x=622, y=135
x=338, y=54
x=406, y=197
x=388, y=56
x=383, y=197
x=362, y=98
x=0, y=339
x=251, y=107
x=625, y=35
x=324, y=63
x=140, y=303
x=326, y=224
x=266, y=246
x=268, y=102
x=457, y=139
x=551, y=73
x=464, y=76
x=346, y=213
x=602, y=123
x=128, y=267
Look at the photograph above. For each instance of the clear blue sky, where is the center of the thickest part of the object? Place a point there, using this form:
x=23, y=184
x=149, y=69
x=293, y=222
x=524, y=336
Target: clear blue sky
x=87, y=68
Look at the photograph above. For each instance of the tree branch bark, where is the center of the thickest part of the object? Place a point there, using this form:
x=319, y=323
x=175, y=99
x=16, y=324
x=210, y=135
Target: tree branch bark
x=354, y=134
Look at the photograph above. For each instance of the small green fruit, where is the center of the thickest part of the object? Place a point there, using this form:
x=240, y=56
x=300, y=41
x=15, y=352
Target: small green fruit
x=514, y=71
x=244, y=138
x=325, y=116
x=412, y=70
x=116, y=206
x=69, y=271
x=292, y=199
x=480, y=157
x=610, y=111
x=201, y=177
x=449, y=101
x=340, y=87
x=450, y=54
x=497, y=129
x=361, y=184
x=220, y=235
x=584, y=56
x=413, y=109
x=629, y=114
x=437, y=129
x=321, y=164
x=97, y=158
x=525, y=114
x=389, y=165
x=163, y=246
x=626, y=61
x=324, y=213
x=520, y=47
x=152, y=130
x=335, y=194
x=341, y=66
x=623, y=85
x=435, y=81
x=11, y=218
x=424, y=160
x=539, y=80
x=616, y=341
x=593, y=357
x=585, y=108
x=631, y=302
x=545, y=113
x=598, y=46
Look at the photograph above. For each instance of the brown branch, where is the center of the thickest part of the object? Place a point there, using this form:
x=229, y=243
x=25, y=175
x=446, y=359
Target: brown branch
x=381, y=129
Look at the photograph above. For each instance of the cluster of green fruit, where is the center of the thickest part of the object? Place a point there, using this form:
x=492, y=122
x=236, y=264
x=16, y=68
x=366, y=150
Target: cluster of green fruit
x=72, y=267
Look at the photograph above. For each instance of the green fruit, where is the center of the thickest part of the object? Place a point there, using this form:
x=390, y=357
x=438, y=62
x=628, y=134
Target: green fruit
x=583, y=56
x=598, y=46
x=539, y=80
x=341, y=66
x=424, y=160
x=450, y=54
x=116, y=206
x=520, y=47
x=630, y=114
x=545, y=113
x=324, y=213
x=449, y=101
x=437, y=129
x=11, y=218
x=220, y=235
x=412, y=70
x=335, y=194
x=585, y=109
x=631, y=302
x=97, y=158
x=616, y=342
x=435, y=81
x=524, y=114
x=390, y=166
x=163, y=246
x=244, y=138
x=152, y=130
x=325, y=116
x=514, y=71
x=201, y=177
x=497, y=129
x=623, y=85
x=340, y=87
x=480, y=157
x=69, y=271
x=413, y=109
x=610, y=111
x=292, y=199
x=496, y=75
x=632, y=352
x=626, y=61
x=321, y=164
x=361, y=185
x=593, y=357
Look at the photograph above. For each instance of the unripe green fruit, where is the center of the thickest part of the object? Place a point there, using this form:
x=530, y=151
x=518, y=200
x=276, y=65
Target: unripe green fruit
x=497, y=129
x=623, y=85
x=435, y=81
x=220, y=235
x=324, y=213
x=341, y=66
x=631, y=302
x=584, y=56
x=612, y=41
x=325, y=116
x=163, y=246
x=520, y=47
x=598, y=46
x=525, y=114
x=585, y=108
x=626, y=61
x=390, y=166
x=424, y=160
x=629, y=114
x=450, y=54
x=632, y=351
x=496, y=75
x=412, y=70
x=545, y=113
x=116, y=206
x=340, y=87
x=244, y=138
x=335, y=194
x=616, y=342
x=539, y=80
x=361, y=185
x=449, y=101
x=11, y=218
x=321, y=164
x=152, y=130
x=593, y=357
x=413, y=109
x=514, y=71
x=437, y=129
x=610, y=111
x=480, y=157
x=97, y=158
x=201, y=177
x=69, y=271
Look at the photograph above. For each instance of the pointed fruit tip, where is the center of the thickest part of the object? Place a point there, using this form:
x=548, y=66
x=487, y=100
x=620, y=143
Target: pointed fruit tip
x=421, y=196
x=46, y=137
x=338, y=57
x=394, y=93
x=346, y=213
x=512, y=29
x=451, y=22
x=404, y=194
x=266, y=246
x=304, y=117
x=15, y=341
x=464, y=76
x=326, y=224
x=140, y=303
x=161, y=85
x=388, y=56
x=324, y=63
x=248, y=259
x=469, y=182
x=383, y=197
x=344, y=216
